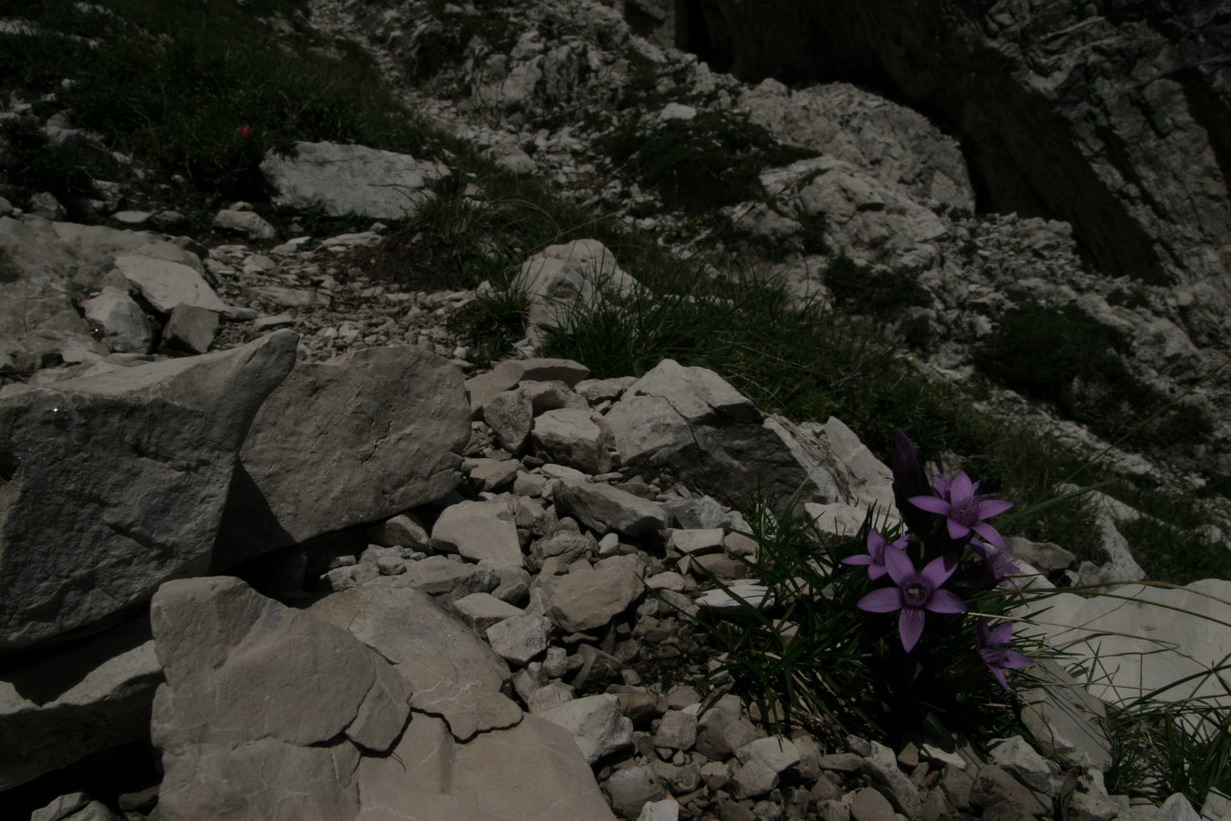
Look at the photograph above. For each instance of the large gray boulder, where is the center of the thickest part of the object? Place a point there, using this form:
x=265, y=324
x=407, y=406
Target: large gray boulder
x=350, y=179
x=115, y=483
x=359, y=438
x=896, y=144
x=266, y=711
x=1140, y=637
x=269, y=712
x=1111, y=116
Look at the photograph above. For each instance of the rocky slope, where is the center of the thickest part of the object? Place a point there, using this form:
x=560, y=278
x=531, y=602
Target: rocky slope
x=904, y=195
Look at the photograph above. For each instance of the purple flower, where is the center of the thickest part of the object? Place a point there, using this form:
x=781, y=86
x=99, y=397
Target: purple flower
x=964, y=510
x=993, y=649
x=875, y=557
x=999, y=563
x=915, y=593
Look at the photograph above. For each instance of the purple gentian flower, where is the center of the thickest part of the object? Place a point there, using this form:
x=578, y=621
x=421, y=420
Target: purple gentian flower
x=999, y=563
x=993, y=649
x=875, y=557
x=915, y=593
x=964, y=510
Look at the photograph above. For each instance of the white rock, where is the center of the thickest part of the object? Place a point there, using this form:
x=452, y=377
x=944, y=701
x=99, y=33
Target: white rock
x=165, y=284
x=520, y=638
x=346, y=179
x=596, y=724
x=248, y=223
x=123, y=321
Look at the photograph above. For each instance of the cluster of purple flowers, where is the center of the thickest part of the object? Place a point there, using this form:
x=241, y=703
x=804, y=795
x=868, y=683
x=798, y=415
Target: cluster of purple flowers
x=915, y=592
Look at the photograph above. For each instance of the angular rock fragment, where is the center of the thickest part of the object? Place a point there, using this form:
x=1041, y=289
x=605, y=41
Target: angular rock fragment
x=265, y=710
x=604, y=508
x=451, y=671
x=586, y=599
x=596, y=723
x=141, y=459
x=361, y=437
x=479, y=531
x=350, y=179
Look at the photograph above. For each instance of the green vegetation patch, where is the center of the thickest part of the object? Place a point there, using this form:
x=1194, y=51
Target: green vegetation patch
x=881, y=293
x=698, y=165
x=215, y=89
x=1067, y=358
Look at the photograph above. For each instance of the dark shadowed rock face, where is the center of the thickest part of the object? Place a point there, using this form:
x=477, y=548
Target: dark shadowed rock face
x=1114, y=116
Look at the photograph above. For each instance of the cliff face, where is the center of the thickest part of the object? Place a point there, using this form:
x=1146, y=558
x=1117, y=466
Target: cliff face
x=1113, y=115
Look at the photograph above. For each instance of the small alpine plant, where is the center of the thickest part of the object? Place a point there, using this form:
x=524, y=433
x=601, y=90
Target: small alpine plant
x=948, y=554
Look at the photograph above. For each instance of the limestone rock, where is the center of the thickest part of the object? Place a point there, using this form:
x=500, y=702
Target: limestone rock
x=1064, y=719
x=248, y=223
x=585, y=599
x=511, y=417
x=451, y=672
x=361, y=437
x=894, y=143
x=482, y=610
x=574, y=438
x=1101, y=116
x=141, y=458
x=1146, y=637
x=191, y=328
x=431, y=776
x=230, y=746
x=692, y=421
x=479, y=531
x=165, y=284
x=564, y=276
x=350, y=179
x=603, y=507
x=90, y=698
x=864, y=218
x=518, y=639
x=596, y=723
x=126, y=327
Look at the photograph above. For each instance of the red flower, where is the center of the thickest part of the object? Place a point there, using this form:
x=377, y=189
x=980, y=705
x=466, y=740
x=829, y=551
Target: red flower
x=245, y=131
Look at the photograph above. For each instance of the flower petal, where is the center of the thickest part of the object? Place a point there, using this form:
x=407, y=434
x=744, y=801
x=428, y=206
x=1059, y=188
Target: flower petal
x=876, y=571
x=910, y=627
x=982, y=636
x=1015, y=661
x=957, y=530
x=1002, y=634
x=991, y=507
x=884, y=600
x=961, y=489
x=945, y=601
x=988, y=532
x=939, y=570
x=861, y=558
x=900, y=567
x=931, y=504
x=996, y=671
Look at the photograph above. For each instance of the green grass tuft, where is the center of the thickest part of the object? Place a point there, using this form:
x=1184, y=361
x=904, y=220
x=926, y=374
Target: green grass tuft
x=698, y=165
